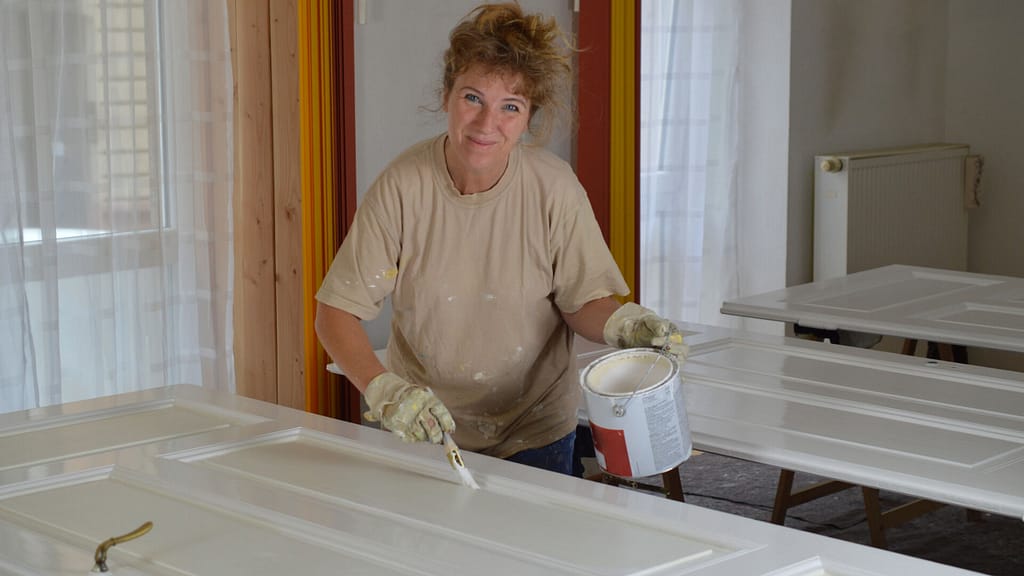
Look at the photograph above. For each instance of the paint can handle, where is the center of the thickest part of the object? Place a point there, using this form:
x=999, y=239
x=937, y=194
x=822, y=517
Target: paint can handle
x=619, y=410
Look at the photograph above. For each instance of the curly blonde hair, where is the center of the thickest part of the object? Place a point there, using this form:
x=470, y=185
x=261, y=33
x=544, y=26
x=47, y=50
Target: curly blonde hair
x=504, y=40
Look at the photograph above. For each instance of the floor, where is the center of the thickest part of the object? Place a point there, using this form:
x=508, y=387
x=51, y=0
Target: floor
x=990, y=544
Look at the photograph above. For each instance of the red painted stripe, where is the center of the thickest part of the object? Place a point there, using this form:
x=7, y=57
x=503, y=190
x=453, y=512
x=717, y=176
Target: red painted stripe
x=593, y=148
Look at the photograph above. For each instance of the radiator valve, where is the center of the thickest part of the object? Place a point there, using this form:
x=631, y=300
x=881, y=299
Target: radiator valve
x=832, y=164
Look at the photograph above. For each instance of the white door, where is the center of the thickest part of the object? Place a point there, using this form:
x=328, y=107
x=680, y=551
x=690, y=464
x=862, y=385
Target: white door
x=285, y=492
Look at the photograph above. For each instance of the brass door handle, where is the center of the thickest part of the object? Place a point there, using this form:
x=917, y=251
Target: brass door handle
x=101, y=550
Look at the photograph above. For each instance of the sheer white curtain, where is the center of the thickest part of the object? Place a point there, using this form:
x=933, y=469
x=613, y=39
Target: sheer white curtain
x=115, y=195
x=688, y=157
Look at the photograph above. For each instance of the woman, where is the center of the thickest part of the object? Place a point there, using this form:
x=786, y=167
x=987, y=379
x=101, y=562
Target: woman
x=493, y=259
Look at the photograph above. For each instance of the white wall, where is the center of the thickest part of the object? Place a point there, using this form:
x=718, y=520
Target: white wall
x=863, y=74
x=984, y=98
x=398, y=71
x=985, y=108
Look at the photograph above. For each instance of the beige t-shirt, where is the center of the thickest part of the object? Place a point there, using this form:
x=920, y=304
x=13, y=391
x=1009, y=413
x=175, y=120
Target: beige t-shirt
x=477, y=283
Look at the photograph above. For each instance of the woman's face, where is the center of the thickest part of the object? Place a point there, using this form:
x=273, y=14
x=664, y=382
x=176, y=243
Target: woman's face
x=485, y=121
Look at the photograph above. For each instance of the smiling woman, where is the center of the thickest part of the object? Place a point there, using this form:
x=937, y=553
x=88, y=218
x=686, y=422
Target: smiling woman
x=491, y=255
x=486, y=118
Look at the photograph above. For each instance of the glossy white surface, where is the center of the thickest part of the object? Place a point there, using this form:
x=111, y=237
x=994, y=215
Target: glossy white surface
x=56, y=438
x=285, y=492
x=911, y=302
x=944, y=431
x=189, y=537
x=436, y=509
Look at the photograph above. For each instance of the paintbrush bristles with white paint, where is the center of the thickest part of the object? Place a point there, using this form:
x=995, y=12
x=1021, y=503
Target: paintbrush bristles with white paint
x=455, y=459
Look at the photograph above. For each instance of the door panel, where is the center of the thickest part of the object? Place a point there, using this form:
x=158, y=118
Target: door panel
x=187, y=537
x=423, y=507
x=108, y=430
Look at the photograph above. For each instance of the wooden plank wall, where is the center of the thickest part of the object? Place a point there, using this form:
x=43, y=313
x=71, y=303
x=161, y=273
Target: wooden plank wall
x=268, y=340
x=288, y=261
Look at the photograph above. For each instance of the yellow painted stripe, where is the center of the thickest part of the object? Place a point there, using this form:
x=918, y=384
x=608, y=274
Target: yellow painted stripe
x=629, y=149
x=622, y=169
x=319, y=217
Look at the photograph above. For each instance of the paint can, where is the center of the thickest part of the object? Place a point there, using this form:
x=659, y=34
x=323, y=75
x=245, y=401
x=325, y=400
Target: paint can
x=637, y=412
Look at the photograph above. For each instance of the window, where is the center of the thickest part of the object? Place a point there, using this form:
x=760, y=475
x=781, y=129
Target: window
x=94, y=106
x=115, y=123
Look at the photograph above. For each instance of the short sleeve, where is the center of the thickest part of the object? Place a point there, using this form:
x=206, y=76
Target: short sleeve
x=365, y=268
x=584, y=268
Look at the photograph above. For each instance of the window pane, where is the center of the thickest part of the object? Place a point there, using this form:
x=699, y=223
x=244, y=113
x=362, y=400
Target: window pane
x=94, y=116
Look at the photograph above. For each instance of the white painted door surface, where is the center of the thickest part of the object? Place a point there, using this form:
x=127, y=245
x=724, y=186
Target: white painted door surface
x=283, y=492
x=911, y=302
x=944, y=431
x=62, y=437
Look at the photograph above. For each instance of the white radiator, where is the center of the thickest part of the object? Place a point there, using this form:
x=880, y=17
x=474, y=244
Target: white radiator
x=897, y=206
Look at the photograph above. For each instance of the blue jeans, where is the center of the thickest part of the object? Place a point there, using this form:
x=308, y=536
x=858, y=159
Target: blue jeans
x=556, y=457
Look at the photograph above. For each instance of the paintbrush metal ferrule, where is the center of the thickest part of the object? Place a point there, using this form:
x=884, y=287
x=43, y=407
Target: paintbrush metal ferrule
x=454, y=455
x=455, y=459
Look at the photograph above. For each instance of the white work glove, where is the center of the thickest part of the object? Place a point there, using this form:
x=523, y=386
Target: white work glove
x=409, y=411
x=633, y=326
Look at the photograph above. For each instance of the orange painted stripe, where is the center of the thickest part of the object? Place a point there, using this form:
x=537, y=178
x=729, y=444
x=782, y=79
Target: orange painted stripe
x=317, y=105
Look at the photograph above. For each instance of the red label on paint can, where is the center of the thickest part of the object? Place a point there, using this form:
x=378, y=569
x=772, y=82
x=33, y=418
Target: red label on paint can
x=611, y=447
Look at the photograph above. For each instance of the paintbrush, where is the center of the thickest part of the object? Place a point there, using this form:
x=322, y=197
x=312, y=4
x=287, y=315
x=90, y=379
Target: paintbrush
x=455, y=459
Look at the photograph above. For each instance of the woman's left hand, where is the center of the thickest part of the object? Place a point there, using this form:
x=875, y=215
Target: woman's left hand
x=633, y=326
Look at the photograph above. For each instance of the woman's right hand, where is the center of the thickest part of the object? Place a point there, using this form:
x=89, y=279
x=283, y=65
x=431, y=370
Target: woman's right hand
x=411, y=412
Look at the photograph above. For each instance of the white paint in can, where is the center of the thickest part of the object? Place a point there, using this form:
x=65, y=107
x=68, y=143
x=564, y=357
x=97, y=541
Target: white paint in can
x=652, y=435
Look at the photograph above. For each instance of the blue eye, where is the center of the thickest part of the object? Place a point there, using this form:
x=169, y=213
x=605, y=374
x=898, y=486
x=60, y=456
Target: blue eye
x=472, y=98
x=512, y=107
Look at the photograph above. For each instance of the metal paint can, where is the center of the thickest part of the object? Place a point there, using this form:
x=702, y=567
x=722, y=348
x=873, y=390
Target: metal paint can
x=637, y=412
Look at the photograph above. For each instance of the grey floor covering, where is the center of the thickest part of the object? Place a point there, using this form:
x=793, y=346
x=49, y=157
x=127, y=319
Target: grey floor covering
x=990, y=545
